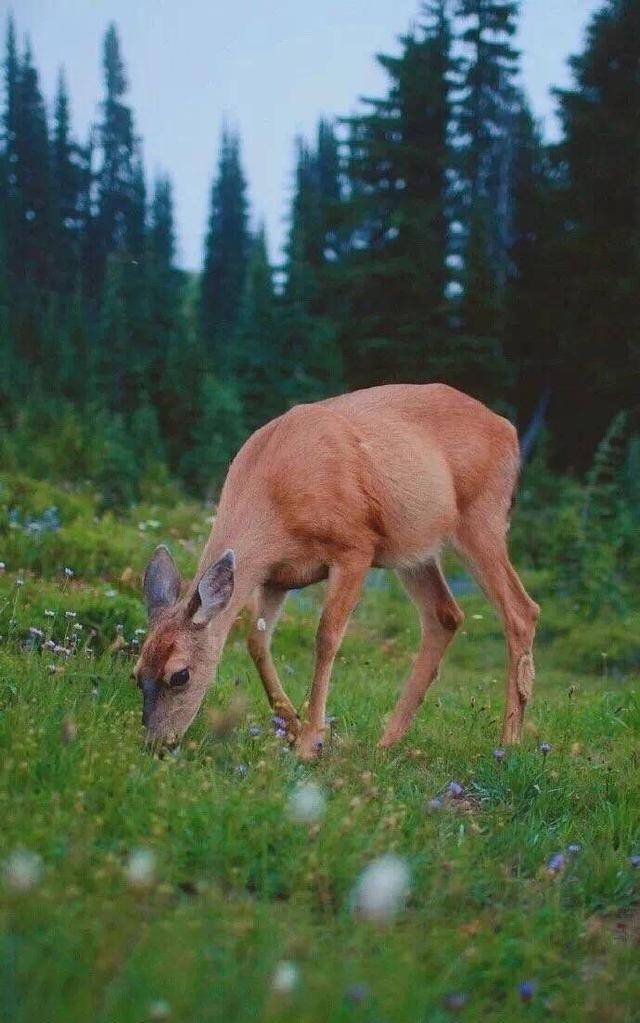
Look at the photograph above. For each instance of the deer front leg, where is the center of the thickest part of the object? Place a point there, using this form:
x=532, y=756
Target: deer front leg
x=343, y=589
x=265, y=611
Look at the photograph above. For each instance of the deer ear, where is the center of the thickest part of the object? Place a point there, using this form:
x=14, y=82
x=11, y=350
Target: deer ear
x=214, y=589
x=161, y=583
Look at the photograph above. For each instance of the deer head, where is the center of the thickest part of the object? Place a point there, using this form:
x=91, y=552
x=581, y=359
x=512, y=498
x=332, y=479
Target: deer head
x=180, y=652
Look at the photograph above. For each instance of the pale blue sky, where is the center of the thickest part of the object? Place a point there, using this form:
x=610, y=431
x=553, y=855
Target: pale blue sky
x=271, y=68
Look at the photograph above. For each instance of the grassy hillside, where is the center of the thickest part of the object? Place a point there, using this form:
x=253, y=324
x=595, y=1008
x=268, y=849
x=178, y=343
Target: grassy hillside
x=209, y=886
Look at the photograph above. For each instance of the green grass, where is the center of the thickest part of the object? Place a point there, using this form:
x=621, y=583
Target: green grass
x=238, y=885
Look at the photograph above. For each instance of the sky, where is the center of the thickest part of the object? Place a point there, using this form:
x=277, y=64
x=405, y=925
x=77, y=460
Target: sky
x=271, y=69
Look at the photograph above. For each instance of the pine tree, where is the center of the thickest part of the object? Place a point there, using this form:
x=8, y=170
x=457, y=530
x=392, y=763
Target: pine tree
x=486, y=113
x=395, y=276
x=599, y=267
x=259, y=366
x=226, y=254
x=118, y=176
x=71, y=186
x=32, y=242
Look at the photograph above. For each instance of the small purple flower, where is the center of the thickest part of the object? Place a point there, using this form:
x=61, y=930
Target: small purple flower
x=455, y=1001
x=281, y=733
x=574, y=849
x=499, y=755
x=278, y=722
x=545, y=748
x=254, y=731
x=556, y=863
x=36, y=633
x=526, y=990
x=635, y=861
x=455, y=790
x=357, y=993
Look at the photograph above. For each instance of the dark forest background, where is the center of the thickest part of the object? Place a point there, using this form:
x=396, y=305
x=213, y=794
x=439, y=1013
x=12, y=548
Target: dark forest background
x=432, y=236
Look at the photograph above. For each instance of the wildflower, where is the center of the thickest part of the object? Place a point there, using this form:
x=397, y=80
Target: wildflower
x=19, y=581
x=357, y=993
x=382, y=888
x=455, y=1001
x=159, y=1009
x=241, y=770
x=499, y=755
x=2, y=566
x=435, y=804
x=254, y=731
x=261, y=625
x=22, y=870
x=140, y=632
x=141, y=868
x=306, y=803
x=48, y=645
x=49, y=614
x=77, y=627
x=526, y=990
x=574, y=849
x=52, y=668
x=280, y=726
x=556, y=864
x=69, y=573
x=36, y=633
x=544, y=748
x=455, y=789
x=634, y=861
x=285, y=978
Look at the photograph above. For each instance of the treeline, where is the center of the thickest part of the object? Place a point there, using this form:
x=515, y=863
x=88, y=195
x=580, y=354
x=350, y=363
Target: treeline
x=432, y=235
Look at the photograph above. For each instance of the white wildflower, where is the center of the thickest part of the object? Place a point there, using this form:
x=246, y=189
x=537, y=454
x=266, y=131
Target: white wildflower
x=382, y=888
x=306, y=803
x=22, y=870
x=261, y=625
x=141, y=868
x=285, y=978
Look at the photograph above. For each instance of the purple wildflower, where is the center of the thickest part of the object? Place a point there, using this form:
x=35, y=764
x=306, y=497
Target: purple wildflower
x=526, y=990
x=499, y=755
x=455, y=789
x=254, y=731
x=357, y=993
x=544, y=748
x=556, y=863
x=634, y=861
x=455, y=1001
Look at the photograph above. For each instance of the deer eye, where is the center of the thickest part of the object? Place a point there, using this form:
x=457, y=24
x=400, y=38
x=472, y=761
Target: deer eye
x=179, y=678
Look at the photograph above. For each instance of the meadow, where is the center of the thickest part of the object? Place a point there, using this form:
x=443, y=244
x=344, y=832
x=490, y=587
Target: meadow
x=220, y=883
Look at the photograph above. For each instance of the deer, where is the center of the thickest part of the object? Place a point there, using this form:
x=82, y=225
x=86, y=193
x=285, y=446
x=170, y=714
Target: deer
x=384, y=477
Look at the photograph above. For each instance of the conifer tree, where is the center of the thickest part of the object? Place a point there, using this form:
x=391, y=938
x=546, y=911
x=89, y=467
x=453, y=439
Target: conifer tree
x=599, y=268
x=395, y=275
x=31, y=241
x=259, y=365
x=485, y=116
x=71, y=182
x=226, y=254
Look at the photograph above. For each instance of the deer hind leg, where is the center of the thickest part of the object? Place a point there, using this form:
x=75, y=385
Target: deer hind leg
x=440, y=618
x=343, y=590
x=481, y=541
x=265, y=611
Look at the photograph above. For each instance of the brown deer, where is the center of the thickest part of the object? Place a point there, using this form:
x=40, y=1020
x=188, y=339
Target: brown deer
x=381, y=477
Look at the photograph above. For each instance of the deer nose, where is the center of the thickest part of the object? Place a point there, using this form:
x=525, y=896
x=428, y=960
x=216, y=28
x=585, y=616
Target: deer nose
x=150, y=690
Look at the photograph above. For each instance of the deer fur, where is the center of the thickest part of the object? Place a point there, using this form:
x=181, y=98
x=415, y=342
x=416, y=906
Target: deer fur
x=381, y=477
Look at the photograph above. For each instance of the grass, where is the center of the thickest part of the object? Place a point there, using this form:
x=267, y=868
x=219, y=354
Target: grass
x=234, y=886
